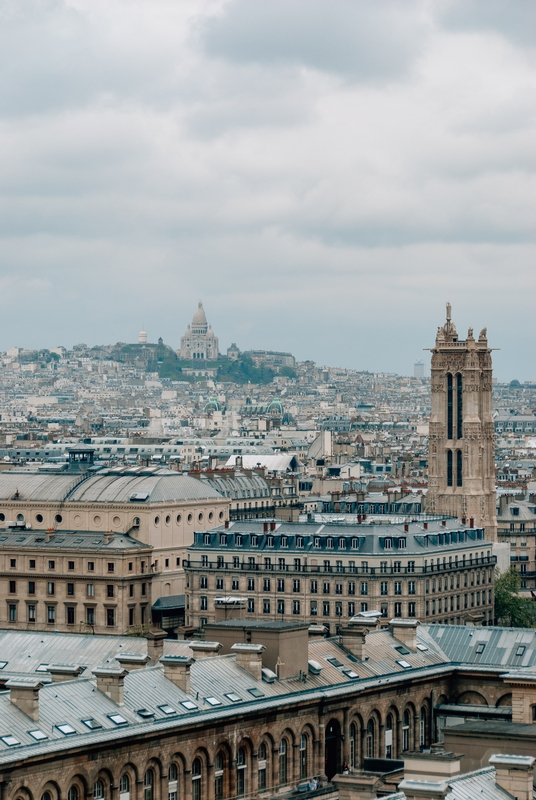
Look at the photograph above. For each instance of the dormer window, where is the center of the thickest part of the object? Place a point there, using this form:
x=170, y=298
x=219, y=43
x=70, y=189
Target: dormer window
x=206, y=538
x=342, y=544
x=387, y=543
x=329, y=543
x=299, y=541
x=355, y=543
x=238, y=539
x=284, y=541
x=223, y=538
x=254, y=541
x=317, y=541
x=270, y=541
x=402, y=544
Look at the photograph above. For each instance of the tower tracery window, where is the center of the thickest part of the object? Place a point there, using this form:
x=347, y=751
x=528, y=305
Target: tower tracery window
x=459, y=407
x=449, y=406
x=449, y=467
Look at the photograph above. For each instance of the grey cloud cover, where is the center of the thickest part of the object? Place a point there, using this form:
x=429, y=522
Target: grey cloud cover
x=324, y=175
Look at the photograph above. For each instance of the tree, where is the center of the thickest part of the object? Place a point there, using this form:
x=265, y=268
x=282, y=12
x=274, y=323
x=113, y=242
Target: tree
x=510, y=608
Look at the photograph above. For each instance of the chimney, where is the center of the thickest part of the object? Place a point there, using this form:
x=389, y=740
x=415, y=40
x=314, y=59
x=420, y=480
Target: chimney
x=464, y=520
x=406, y=527
x=226, y=523
x=130, y=661
x=24, y=693
x=272, y=525
x=444, y=523
x=108, y=537
x=177, y=670
x=514, y=774
x=405, y=630
x=353, y=636
x=249, y=657
x=265, y=527
x=155, y=644
x=49, y=535
x=64, y=672
x=424, y=790
x=471, y=522
x=205, y=649
x=425, y=526
x=110, y=681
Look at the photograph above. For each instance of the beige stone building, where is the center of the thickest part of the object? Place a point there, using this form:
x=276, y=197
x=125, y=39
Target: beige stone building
x=159, y=507
x=74, y=581
x=461, y=459
x=199, y=342
x=438, y=571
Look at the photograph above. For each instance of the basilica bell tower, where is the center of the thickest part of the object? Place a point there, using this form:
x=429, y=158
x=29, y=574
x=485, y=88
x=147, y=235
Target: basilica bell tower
x=461, y=459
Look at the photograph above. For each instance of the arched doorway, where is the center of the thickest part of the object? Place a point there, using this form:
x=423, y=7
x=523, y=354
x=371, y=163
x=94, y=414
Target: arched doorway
x=333, y=749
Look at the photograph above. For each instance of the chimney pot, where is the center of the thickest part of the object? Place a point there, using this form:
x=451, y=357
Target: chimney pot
x=405, y=630
x=444, y=523
x=354, y=634
x=406, y=527
x=471, y=522
x=425, y=526
x=249, y=657
x=64, y=672
x=155, y=644
x=130, y=661
x=205, y=649
x=226, y=523
x=463, y=520
x=514, y=774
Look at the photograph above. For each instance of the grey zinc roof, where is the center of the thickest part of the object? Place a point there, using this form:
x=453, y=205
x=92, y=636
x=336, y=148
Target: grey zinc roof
x=36, y=487
x=500, y=645
x=68, y=540
x=164, y=487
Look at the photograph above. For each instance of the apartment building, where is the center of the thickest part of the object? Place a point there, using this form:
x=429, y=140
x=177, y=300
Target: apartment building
x=74, y=581
x=516, y=525
x=438, y=571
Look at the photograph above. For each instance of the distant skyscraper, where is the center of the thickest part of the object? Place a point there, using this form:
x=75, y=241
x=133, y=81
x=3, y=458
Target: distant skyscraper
x=419, y=369
x=461, y=468
x=199, y=341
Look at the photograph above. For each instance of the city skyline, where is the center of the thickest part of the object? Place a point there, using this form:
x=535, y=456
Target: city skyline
x=321, y=194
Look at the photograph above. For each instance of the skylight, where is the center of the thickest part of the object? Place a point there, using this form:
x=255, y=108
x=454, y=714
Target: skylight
x=145, y=713
x=404, y=664
x=234, y=698
x=334, y=661
x=65, y=729
x=402, y=650
x=3, y=664
x=188, y=705
x=117, y=719
x=350, y=673
x=165, y=709
x=92, y=723
x=9, y=740
x=422, y=647
x=256, y=692
x=213, y=701
x=42, y=668
x=480, y=648
x=519, y=652
x=38, y=735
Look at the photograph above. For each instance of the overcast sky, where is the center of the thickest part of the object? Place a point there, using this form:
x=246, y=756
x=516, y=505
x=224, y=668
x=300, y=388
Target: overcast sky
x=324, y=174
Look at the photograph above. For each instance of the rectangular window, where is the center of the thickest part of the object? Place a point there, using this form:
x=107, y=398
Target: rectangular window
x=13, y=563
x=398, y=609
x=70, y=589
x=398, y=587
x=351, y=609
x=266, y=583
x=280, y=606
x=143, y=589
x=31, y=587
x=397, y=566
x=295, y=606
x=314, y=587
x=296, y=585
x=384, y=588
x=203, y=602
x=70, y=615
x=364, y=587
x=12, y=612
x=325, y=609
x=50, y=588
x=266, y=606
x=110, y=590
x=235, y=585
x=90, y=566
x=110, y=617
x=411, y=610
x=449, y=466
x=131, y=590
x=111, y=566
x=32, y=563
x=251, y=605
x=411, y=566
x=351, y=587
x=383, y=566
x=280, y=584
x=90, y=616
x=203, y=582
x=90, y=590
x=313, y=608
x=51, y=614
x=338, y=609
x=325, y=587
x=51, y=564
x=12, y=587
x=338, y=588
x=449, y=407
x=459, y=409
x=131, y=616
x=251, y=584
x=411, y=587
x=31, y=613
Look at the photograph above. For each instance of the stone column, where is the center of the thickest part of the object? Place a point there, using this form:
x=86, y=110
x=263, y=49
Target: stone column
x=346, y=737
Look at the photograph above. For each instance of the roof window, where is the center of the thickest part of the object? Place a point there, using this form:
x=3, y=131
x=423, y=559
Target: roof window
x=117, y=719
x=334, y=661
x=188, y=705
x=422, y=647
x=404, y=664
x=3, y=664
x=42, y=668
x=145, y=713
x=256, y=692
x=481, y=646
x=92, y=724
x=213, y=701
x=11, y=741
x=66, y=729
x=520, y=650
x=234, y=698
x=165, y=709
x=402, y=650
x=350, y=673
x=38, y=734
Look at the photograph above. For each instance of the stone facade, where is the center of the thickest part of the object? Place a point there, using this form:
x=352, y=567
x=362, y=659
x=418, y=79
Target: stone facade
x=461, y=460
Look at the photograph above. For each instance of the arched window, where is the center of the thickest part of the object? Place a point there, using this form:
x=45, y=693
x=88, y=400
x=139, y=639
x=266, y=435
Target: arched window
x=353, y=745
x=46, y=796
x=369, y=741
x=261, y=767
x=422, y=728
x=173, y=787
x=459, y=406
x=196, y=779
x=449, y=467
x=148, y=785
x=219, y=764
x=241, y=765
x=303, y=755
x=98, y=790
x=72, y=793
x=283, y=762
x=405, y=730
x=124, y=787
x=389, y=736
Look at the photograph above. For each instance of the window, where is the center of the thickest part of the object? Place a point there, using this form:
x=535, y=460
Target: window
x=196, y=780
x=12, y=612
x=261, y=767
x=338, y=588
x=90, y=616
x=148, y=785
x=384, y=588
x=110, y=590
x=98, y=790
x=111, y=566
x=235, y=585
x=110, y=617
x=265, y=606
x=280, y=584
x=90, y=566
x=411, y=609
x=405, y=730
x=459, y=468
x=411, y=566
x=219, y=764
x=303, y=756
x=398, y=609
x=32, y=563
x=351, y=609
x=398, y=587
x=251, y=605
x=314, y=587
x=251, y=584
x=411, y=587
x=295, y=606
x=449, y=407
x=283, y=764
x=364, y=587
x=325, y=609
x=73, y=793
x=219, y=583
x=70, y=615
x=13, y=563
x=397, y=566
x=353, y=745
x=266, y=583
x=241, y=773
x=31, y=613
x=296, y=585
x=124, y=785
x=70, y=589
x=449, y=466
x=280, y=606
x=313, y=609
x=325, y=587
x=12, y=587
x=90, y=590
x=51, y=614
x=369, y=739
x=50, y=588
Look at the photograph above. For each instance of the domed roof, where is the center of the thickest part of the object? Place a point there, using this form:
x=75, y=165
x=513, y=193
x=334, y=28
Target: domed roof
x=199, y=317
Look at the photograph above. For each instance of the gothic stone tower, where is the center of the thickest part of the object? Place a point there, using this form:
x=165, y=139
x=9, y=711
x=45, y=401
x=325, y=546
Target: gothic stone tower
x=461, y=479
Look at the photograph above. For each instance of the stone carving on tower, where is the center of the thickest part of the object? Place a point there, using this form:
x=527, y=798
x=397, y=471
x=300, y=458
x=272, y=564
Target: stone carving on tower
x=461, y=461
x=199, y=341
